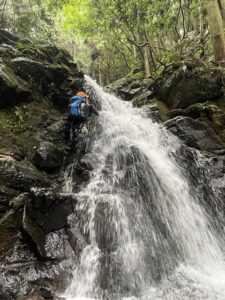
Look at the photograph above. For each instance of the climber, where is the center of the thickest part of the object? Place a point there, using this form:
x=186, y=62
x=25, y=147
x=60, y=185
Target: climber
x=76, y=125
x=78, y=113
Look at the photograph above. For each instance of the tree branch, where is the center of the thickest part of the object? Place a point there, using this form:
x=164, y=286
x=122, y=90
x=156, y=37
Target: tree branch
x=147, y=43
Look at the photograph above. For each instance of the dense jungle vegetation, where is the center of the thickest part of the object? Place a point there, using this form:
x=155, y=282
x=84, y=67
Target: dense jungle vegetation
x=111, y=38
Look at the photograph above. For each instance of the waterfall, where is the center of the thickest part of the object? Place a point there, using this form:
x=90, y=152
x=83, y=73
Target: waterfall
x=148, y=237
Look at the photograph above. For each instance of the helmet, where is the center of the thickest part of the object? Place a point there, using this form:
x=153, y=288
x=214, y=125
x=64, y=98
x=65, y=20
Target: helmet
x=82, y=94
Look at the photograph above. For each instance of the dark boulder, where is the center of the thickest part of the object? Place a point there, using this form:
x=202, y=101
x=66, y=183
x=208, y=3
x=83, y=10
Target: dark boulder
x=40, y=72
x=56, y=131
x=183, y=86
x=7, y=38
x=133, y=87
x=22, y=276
x=50, y=210
x=45, y=212
x=195, y=134
x=20, y=175
x=28, y=69
x=122, y=88
x=48, y=157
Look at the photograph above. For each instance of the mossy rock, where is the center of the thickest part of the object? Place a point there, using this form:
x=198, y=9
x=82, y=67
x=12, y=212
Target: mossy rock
x=213, y=113
x=13, y=89
x=26, y=122
x=196, y=134
x=8, y=51
x=184, y=86
x=144, y=98
x=7, y=38
x=29, y=68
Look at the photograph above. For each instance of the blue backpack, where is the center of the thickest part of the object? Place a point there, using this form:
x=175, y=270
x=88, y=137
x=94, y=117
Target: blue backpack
x=74, y=107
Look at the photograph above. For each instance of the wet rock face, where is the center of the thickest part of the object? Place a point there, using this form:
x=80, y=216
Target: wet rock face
x=31, y=70
x=13, y=89
x=38, y=260
x=189, y=84
x=134, y=88
x=20, y=175
x=22, y=276
x=195, y=134
x=27, y=68
x=44, y=203
x=48, y=157
x=35, y=87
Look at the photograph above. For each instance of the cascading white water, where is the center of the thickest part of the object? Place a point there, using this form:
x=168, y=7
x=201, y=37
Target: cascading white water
x=148, y=236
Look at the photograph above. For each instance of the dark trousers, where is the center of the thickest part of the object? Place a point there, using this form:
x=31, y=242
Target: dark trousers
x=72, y=126
x=81, y=144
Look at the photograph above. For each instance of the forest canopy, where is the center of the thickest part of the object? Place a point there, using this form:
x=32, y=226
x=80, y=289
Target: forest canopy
x=111, y=38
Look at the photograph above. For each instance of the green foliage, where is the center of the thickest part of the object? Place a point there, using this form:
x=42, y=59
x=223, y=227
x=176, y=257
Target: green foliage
x=15, y=120
x=31, y=18
x=109, y=38
x=54, y=5
x=211, y=106
x=119, y=28
x=21, y=116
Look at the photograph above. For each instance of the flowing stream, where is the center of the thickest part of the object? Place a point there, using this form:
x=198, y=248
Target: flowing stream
x=148, y=237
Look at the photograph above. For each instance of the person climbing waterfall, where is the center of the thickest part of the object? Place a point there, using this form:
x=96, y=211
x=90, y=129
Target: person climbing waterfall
x=76, y=130
x=78, y=112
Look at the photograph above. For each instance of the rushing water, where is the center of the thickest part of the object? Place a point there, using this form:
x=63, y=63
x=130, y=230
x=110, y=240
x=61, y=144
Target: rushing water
x=148, y=237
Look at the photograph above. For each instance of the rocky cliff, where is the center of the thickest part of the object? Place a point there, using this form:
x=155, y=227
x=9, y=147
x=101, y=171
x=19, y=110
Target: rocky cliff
x=35, y=86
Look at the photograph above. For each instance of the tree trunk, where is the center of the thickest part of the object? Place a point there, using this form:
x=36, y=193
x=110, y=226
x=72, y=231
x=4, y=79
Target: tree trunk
x=200, y=18
x=221, y=6
x=215, y=22
x=146, y=61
